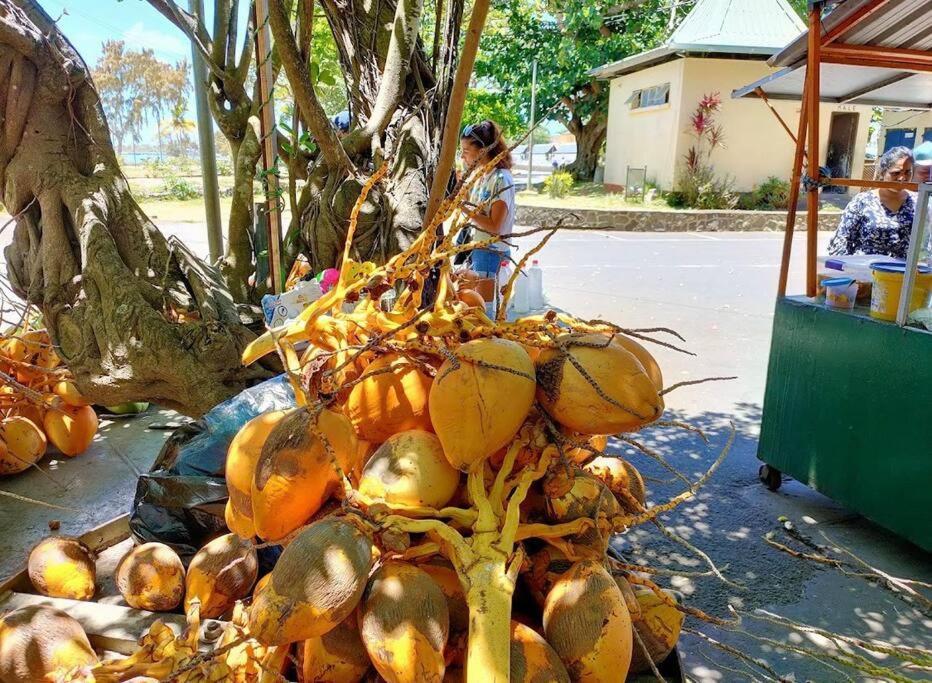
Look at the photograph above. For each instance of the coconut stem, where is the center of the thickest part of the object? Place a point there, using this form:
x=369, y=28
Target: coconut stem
x=488, y=658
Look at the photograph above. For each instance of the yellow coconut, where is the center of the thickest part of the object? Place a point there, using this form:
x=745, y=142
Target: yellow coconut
x=659, y=626
x=410, y=469
x=71, y=429
x=40, y=643
x=22, y=443
x=63, y=567
x=338, y=656
x=587, y=623
x=151, y=577
x=296, y=473
x=69, y=394
x=617, y=396
x=391, y=397
x=479, y=401
x=222, y=572
x=449, y=582
x=532, y=658
x=317, y=582
x=405, y=622
x=237, y=523
x=651, y=367
x=242, y=456
x=621, y=478
x=582, y=495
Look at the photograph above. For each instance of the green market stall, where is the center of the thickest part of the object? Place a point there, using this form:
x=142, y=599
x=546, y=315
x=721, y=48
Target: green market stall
x=848, y=402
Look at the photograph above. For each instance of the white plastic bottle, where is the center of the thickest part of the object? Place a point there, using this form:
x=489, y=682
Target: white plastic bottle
x=535, y=286
x=520, y=295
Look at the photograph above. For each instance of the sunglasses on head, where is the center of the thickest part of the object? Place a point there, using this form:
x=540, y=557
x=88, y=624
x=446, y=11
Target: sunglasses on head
x=472, y=131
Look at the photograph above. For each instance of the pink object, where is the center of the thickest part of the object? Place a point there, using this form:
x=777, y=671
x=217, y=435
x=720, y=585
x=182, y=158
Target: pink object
x=330, y=277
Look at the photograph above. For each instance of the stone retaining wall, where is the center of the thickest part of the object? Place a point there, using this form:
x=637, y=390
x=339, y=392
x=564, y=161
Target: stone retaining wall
x=634, y=220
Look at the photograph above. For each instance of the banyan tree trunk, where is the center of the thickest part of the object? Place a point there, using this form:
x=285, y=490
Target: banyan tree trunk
x=135, y=316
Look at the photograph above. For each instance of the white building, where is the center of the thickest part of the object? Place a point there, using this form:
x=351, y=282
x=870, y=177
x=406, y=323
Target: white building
x=719, y=47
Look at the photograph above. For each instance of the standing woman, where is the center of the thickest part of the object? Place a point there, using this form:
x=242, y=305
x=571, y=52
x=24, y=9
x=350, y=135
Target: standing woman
x=492, y=197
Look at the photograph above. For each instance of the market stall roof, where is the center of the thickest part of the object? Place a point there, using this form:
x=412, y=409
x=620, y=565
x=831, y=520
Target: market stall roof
x=877, y=53
x=748, y=27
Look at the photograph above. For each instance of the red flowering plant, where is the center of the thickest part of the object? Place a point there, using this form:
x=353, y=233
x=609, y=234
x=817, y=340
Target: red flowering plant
x=698, y=186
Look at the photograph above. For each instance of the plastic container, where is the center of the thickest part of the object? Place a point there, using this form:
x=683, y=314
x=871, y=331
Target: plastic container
x=521, y=294
x=888, y=285
x=841, y=293
x=535, y=286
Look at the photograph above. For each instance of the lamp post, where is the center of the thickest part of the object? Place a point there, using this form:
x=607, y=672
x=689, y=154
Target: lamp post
x=530, y=142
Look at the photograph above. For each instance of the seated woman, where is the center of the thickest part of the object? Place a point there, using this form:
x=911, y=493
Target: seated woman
x=493, y=195
x=879, y=221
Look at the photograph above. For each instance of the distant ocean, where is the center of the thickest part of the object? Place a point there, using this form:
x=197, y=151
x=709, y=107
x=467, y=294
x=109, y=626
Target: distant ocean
x=130, y=159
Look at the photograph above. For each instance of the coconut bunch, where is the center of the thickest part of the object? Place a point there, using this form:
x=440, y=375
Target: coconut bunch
x=442, y=491
x=39, y=403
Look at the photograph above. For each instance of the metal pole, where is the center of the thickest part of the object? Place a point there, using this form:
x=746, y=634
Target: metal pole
x=530, y=141
x=205, y=135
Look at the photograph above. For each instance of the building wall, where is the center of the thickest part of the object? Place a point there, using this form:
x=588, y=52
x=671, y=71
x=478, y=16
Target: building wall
x=920, y=122
x=643, y=137
x=756, y=145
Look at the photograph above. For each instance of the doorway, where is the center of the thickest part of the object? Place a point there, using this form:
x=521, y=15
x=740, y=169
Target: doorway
x=842, y=138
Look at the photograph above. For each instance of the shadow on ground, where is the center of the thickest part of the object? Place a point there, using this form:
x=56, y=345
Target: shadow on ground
x=728, y=519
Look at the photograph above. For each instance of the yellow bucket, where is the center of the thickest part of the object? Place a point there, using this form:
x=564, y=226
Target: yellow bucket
x=888, y=284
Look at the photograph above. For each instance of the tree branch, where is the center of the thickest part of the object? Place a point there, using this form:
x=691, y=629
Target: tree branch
x=192, y=27
x=451, y=128
x=397, y=63
x=222, y=11
x=305, y=96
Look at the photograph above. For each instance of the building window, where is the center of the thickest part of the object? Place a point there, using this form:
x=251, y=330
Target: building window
x=650, y=97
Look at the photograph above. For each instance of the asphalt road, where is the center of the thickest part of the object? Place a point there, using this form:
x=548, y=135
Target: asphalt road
x=716, y=290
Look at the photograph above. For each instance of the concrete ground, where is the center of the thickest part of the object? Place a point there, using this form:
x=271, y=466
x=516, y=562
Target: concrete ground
x=717, y=290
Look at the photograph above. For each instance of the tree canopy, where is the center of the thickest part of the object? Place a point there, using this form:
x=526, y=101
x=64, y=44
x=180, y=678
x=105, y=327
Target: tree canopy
x=568, y=38
x=136, y=87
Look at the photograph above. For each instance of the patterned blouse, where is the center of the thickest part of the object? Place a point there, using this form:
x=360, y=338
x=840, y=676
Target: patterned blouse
x=869, y=227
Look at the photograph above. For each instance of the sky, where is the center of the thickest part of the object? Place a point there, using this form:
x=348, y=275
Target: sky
x=88, y=23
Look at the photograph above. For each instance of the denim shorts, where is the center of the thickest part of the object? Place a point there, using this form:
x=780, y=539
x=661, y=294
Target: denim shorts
x=487, y=262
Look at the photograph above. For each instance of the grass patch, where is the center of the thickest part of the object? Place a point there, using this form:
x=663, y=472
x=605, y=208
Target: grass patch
x=587, y=196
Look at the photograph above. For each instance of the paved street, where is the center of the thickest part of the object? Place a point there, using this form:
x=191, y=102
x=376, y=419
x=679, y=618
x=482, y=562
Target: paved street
x=717, y=290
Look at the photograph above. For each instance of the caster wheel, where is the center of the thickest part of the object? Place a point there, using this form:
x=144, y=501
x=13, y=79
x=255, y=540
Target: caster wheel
x=770, y=477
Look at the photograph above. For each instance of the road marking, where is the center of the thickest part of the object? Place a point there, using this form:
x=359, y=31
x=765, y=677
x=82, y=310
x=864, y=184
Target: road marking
x=705, y=236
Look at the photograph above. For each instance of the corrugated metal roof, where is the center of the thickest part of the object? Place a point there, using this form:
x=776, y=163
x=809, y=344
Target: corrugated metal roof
x=759, y=25
x=746, y=27
x=898, y=23
x=904, y=24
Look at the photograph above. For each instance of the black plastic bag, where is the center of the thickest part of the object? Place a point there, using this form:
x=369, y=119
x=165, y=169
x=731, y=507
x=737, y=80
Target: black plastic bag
x=180, y=501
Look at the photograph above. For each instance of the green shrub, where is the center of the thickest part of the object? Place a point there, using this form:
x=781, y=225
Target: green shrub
x=701, y=188
x=558, y=184
x=178, y=188
x=771, y=195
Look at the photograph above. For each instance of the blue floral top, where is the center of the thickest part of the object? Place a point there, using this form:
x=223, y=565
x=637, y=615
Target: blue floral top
x=869, y=227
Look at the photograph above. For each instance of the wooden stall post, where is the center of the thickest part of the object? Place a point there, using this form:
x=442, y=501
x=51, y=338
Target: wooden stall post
x=794, y=196
x=813, y=95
